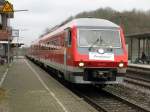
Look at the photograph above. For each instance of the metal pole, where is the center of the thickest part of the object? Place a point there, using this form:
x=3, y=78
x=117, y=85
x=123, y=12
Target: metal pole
x=17, y=46
x=20, y=10
x=8, y=54
x=131, y=49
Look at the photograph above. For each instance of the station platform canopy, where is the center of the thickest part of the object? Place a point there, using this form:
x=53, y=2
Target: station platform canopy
x=139, y=35
x=14, y=42
x=137, y=44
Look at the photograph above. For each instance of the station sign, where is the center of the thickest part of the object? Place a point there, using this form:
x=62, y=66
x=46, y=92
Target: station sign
x=15, y=33
x=7, y=8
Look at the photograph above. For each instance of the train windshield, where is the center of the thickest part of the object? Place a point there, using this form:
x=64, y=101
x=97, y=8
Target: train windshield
x=97, y=38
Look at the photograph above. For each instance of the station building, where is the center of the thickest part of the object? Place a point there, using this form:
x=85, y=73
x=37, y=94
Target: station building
x=5, y=30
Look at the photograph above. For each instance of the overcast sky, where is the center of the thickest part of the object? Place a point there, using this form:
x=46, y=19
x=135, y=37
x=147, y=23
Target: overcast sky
x=47, y=13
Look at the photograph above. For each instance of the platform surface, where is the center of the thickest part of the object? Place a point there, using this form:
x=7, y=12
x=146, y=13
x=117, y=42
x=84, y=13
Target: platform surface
x=27, y=88
x=147, y=66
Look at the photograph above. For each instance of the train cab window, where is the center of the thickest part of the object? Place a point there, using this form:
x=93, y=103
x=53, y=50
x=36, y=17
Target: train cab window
x=68, y=38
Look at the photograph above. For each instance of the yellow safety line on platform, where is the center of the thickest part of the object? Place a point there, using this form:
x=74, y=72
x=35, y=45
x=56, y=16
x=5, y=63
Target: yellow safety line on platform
x=46, y=87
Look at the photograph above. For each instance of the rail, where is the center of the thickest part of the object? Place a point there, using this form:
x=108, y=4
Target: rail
x=108, y=102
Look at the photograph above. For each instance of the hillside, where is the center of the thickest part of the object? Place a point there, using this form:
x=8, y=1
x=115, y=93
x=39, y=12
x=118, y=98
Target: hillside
x=132, y=21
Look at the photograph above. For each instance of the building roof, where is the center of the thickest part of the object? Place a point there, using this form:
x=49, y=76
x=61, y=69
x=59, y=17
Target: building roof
x=139, y=35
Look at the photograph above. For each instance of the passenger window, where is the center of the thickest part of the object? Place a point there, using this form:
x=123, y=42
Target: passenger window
x=68, y=38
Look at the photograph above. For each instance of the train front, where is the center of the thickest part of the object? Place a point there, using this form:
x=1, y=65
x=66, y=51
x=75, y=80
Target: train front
x=100, y=54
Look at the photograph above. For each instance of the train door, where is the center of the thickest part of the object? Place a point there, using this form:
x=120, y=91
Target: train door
x=67, y=52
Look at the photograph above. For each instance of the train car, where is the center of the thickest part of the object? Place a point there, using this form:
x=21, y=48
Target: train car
x=84, y=51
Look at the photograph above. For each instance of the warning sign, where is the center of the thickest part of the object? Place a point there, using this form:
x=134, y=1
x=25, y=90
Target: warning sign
x=7, y=7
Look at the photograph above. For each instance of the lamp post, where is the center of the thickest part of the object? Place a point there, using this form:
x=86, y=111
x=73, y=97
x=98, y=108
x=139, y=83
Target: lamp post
x=8, y=53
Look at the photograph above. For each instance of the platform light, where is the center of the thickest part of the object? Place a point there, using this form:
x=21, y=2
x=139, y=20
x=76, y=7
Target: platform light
x=81, y=64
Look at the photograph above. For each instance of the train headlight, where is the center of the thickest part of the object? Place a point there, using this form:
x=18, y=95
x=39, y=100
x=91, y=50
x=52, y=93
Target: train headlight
x=121, y=65
x=81, y=64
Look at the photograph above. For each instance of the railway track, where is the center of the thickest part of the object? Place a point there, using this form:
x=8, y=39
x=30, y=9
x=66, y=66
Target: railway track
x=138, y=78
x=105, y=101
x=138, y=81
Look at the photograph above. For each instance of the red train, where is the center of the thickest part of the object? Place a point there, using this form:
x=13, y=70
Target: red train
x=84, y=51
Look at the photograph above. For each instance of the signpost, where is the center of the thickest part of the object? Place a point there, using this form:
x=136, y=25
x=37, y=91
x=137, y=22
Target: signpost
x=7, y=8
x=15, y=33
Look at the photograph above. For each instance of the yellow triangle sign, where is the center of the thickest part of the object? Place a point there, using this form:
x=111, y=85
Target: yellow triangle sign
x=7, y=7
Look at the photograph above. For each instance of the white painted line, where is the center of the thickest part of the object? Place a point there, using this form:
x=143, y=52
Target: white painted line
x=46, y=87
x=3, y=77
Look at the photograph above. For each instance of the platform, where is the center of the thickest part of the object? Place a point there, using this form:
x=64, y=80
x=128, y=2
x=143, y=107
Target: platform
x=27, y=88
x=139, y=69
x=145, y=66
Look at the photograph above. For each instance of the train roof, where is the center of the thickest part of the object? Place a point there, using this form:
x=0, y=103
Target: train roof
x=82, y=22
x=94, y=22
